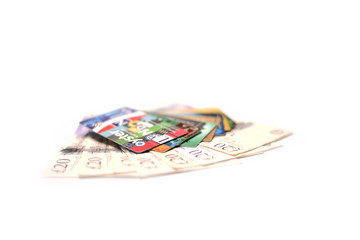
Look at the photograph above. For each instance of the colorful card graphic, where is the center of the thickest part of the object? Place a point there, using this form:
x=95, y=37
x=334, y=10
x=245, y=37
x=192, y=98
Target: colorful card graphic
x=205, y=130
x=228, y=123
x=220, y=128
x=215, y=120
x=191, y=126
x=135, y=130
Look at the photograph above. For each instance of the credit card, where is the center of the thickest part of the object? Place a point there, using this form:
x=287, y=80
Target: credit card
x=232, y=123
x=228, y=123
x=195, y=140
x=191, y=126
x=216, y=120
x=220, y=131
x=178, y=118
x=135, y=130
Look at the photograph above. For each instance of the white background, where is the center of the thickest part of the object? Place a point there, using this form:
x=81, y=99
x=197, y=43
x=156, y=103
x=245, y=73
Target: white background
x=293, y=64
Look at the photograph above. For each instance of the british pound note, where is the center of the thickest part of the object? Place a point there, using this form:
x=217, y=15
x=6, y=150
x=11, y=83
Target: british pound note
x=203, y=155
x=245, y=137
x=66, y=162
x=176, y=160
x=121, y=161
x=96, y=159
x=147, y=164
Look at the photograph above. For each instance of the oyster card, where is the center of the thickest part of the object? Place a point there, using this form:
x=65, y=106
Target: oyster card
x=135, y=130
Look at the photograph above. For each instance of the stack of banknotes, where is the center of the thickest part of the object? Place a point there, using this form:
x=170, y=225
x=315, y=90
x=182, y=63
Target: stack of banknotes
x=131, y=143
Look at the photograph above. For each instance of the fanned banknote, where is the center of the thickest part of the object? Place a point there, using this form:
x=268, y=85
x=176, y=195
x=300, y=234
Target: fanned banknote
x=118, y=143
x=147, y=164
x=246, y=137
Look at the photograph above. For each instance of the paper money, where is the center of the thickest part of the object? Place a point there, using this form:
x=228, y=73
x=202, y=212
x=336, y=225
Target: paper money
x=203, y=155
x=96, y=159
x=176, y=160
x=147, y=164
x=121, y=161
x=181, y=162
x=264, y=148
x=183, y=165
x=90, y=154
x=66, y=161
x=238, y=159
x=245, y=137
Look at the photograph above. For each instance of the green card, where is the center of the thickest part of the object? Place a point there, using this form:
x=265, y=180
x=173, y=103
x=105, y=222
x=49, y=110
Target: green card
x=195, y=140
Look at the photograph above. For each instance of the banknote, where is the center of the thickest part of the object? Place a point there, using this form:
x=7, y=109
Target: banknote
x=176, y=160
x=66, y=161
x=100, y=155
x=117, y=143
x=203, y=155
x=147, y=164
x=239, y=158
x=264, y=148
x=245, y=137
x=84, y=147
x=135, y=130
x=96, y=159
x=182, y=163
x=121, y=161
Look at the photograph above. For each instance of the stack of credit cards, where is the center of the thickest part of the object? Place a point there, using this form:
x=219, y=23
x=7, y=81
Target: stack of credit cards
x=128, y=142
